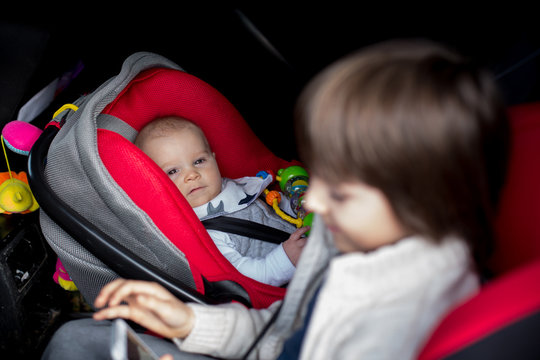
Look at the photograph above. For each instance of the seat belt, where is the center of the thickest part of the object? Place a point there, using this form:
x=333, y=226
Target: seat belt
x=246, y=228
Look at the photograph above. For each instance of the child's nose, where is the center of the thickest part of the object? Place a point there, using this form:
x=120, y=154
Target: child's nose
x=315, y=201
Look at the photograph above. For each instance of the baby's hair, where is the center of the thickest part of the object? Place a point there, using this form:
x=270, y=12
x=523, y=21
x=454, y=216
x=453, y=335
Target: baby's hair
x=419, y=122
x=163, y=126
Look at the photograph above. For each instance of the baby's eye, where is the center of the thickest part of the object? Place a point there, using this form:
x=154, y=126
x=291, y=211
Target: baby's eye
x=199, y=161
x=172, y=172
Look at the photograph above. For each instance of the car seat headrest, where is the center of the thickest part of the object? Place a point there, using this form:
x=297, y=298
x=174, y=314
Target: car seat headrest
x=160, y=92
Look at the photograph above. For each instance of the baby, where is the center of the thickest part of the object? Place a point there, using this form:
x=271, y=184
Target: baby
x=181, y=149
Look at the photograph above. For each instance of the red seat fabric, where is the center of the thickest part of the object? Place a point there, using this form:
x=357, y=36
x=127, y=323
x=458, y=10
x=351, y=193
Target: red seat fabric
x=517, y=223
x=501, y=303
x=512, y=298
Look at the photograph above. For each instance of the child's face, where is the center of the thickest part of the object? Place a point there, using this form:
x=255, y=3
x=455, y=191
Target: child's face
x=359, y=216
x=188, y=162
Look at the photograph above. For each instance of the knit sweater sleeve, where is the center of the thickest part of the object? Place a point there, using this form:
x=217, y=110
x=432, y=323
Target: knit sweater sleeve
x=225, y=331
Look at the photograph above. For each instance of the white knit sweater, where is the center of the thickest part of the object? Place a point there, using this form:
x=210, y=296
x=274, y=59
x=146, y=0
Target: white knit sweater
x=377, y=305
x=382, y=305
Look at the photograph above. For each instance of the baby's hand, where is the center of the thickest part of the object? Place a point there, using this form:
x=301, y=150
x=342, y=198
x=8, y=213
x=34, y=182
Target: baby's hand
x=295, y=243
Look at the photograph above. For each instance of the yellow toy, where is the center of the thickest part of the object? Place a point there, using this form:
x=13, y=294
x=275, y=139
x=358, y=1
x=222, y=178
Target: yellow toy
x=15, y=193
x=61, y=277
x=294, y=182
x=273, y=198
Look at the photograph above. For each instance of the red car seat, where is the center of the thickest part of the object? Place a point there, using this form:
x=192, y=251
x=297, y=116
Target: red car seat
x=159, y=92
x=99, y=179
x=503, y=320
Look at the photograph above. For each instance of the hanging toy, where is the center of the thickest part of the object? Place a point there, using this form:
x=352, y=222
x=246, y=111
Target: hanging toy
x=293, y=182
x=62, y=278
x=19, y=137
x=15, y=193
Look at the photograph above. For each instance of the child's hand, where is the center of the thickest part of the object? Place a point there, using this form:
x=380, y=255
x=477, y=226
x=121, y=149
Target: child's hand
x=295, y=243
x=148, y=304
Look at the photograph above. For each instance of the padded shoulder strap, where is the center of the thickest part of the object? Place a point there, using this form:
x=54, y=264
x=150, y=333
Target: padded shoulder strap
x=246, y=228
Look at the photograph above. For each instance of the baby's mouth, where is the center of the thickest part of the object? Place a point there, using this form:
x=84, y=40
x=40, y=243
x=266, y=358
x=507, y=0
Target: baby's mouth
x=194, y=190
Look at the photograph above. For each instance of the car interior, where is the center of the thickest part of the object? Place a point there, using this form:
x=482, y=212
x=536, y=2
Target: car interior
x=260, y=56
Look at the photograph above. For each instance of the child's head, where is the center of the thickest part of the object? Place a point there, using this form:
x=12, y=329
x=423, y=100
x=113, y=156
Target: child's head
x=180, y=148
x=416, y=122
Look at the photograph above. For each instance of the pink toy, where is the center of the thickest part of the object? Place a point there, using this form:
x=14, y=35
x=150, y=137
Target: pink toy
x=62, y=278
x=19, y=136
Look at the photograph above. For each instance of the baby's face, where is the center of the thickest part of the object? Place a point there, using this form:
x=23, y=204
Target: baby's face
x=189, y=163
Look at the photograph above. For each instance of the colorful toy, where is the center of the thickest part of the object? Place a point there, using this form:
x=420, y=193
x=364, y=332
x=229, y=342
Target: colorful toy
x=62, y=278
x=293, y=182
x=15, y=193
x=19, y=136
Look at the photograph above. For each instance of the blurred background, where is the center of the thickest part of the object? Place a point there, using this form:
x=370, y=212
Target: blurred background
x=259, y=56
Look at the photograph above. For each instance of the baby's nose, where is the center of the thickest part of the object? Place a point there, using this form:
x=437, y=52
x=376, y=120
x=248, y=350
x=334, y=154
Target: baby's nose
x=191, y=174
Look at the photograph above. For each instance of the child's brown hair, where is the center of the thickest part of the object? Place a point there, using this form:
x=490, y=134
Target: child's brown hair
x=420, y=123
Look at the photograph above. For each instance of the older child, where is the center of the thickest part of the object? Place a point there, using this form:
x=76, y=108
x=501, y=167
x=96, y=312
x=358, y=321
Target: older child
x=181, y=149
x=406, y=143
